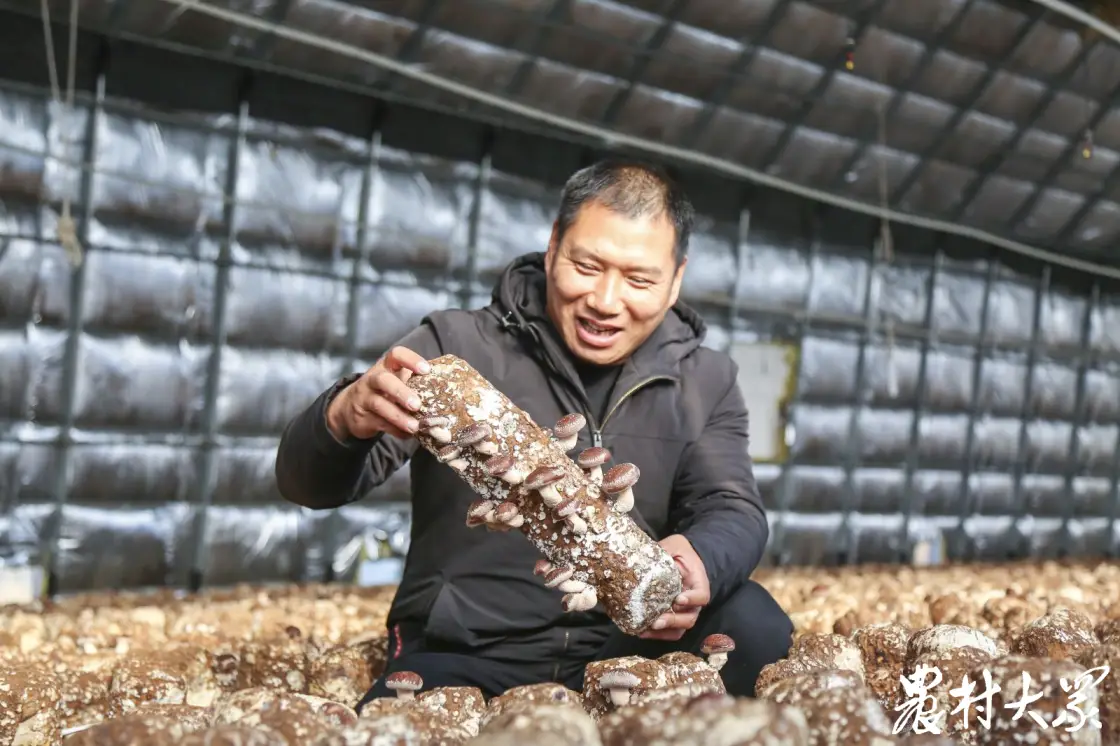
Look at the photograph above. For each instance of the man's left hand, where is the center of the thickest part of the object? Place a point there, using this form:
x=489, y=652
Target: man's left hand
x=696, y=594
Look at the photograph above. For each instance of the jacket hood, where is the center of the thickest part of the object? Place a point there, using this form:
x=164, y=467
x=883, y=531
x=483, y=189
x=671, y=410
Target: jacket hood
x=519, y=298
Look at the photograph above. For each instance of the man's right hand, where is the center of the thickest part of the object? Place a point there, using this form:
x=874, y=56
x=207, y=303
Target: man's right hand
x=379, y=401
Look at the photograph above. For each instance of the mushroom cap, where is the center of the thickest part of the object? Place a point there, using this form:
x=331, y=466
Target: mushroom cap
x=709, y=701
x=337, y=713
x=449, y=452
x=226, y=663
x=436, y=420
x=479, y=508
x=618, y=678
x=620, y=477
x=557, y=575
x=542, y=567
x=474, y=433
x=495, y=466
x=569, y=425
x=543, y=476
x=506, y=511
x=407, y=680
x=717, y=643
x=567, y=507
x=592, y=457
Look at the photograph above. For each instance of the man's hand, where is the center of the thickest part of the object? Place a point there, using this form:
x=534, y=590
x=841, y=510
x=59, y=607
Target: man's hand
x=696, y=594
x=379, y=401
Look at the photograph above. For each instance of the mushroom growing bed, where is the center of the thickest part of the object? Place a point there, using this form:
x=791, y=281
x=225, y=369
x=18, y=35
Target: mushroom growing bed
x=284, y=666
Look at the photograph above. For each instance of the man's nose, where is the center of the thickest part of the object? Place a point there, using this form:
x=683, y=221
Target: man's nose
x=607, y=296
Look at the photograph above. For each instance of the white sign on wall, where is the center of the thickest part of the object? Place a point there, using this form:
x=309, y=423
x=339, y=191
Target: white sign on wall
x=766, y=374
x=21, y=584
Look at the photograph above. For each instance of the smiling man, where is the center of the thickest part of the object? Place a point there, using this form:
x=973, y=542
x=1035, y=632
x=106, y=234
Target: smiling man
x=592, y=325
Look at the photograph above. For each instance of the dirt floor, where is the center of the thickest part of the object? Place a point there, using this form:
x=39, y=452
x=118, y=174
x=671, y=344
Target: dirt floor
x=284, y=666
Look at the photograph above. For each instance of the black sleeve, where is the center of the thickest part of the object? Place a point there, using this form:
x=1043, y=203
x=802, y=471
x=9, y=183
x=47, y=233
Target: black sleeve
x=716, y=504
x=316, y=470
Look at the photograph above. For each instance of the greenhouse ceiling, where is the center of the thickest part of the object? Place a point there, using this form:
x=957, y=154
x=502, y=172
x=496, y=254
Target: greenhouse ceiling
x=999, y=116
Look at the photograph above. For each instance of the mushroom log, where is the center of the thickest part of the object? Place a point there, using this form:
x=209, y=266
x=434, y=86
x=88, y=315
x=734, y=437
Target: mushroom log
x=526, y=481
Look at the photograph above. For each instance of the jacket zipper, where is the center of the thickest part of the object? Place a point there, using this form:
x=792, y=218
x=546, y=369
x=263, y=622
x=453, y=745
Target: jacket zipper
x=597, y=440
x=597, y=429
x=563, y=653
x=508, y=321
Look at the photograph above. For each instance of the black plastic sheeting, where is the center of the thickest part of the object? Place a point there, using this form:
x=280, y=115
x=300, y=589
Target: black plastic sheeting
x=235, y=266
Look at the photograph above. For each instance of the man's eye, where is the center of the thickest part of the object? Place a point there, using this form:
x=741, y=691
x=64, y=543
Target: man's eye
x=640, y=282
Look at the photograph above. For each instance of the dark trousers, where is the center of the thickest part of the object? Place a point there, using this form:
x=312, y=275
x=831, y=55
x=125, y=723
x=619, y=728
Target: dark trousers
x=751, y=617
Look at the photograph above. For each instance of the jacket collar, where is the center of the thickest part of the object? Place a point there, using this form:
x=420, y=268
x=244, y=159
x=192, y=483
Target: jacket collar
x=519, y=300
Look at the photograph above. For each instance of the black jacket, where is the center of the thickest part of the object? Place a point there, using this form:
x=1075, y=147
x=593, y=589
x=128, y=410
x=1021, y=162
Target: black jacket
x=676, y=412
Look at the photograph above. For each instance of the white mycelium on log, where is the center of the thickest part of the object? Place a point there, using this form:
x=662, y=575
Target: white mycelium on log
x=577, y=517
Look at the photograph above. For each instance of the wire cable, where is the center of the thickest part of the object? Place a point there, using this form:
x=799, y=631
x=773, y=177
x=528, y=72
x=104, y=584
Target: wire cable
x=610, y=137
x=67, y=231
x=1089, y=20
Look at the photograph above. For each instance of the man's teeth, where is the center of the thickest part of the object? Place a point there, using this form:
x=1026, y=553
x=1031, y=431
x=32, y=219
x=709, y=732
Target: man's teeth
x=597, y=329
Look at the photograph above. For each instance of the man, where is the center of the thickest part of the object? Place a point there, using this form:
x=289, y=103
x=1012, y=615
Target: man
x=592, y=326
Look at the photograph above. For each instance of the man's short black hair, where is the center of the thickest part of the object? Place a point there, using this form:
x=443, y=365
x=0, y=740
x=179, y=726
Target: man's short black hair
x=631, y=188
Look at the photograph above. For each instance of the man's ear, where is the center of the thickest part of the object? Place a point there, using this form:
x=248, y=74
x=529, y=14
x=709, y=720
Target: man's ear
x=553, y=243
x=678, y=277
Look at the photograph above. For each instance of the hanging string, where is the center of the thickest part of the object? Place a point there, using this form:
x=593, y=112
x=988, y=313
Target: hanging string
x=886, y=245
x=67, y=230
x=884, y=188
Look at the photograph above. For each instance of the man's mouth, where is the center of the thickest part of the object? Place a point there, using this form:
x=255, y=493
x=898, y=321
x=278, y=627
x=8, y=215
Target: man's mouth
x=595, y=332
x=594, y=328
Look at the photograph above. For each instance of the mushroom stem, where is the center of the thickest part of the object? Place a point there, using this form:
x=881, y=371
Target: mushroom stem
x=595, y=475
x=568, y=443
x=585, y=600
x=514, y=476
x=550, y=496
x=620, y=697
x=618, y=685
x=486, y=447
x=516, y=522
x=437, y=428
x=717, y=660
x=576, y=524
x=440, y=434
x=554, y=577
x=406, y=694
x=571, y=586
x=624, y=503
x=482, y=510
x=458, y=464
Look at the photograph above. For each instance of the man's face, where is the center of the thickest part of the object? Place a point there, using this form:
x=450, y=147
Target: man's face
x=611, y=280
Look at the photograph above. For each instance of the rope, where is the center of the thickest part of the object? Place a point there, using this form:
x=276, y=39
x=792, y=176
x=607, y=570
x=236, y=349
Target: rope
x=67, y=230
x=886, y=243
